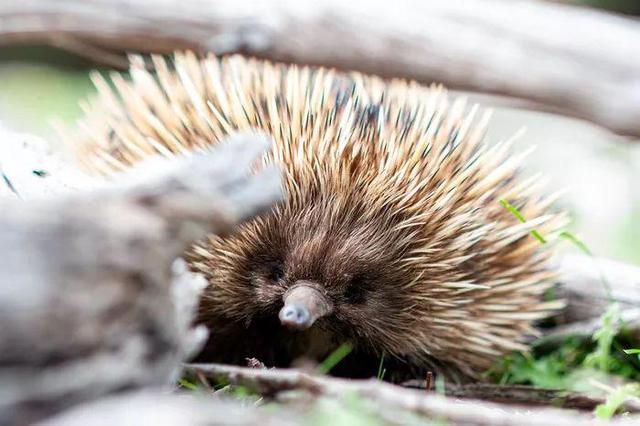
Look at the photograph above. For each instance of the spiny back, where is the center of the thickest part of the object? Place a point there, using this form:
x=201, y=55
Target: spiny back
x=390, y=162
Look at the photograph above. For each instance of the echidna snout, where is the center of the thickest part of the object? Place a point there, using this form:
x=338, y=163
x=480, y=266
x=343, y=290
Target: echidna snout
x=304, y=303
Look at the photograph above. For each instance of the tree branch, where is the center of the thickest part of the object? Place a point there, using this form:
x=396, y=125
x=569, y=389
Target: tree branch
x=521, y=395
x=518, y=48
x=585, y=284
x=389, y=397
x=89, y=300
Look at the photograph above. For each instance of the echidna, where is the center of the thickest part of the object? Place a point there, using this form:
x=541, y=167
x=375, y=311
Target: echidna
x=391, y=235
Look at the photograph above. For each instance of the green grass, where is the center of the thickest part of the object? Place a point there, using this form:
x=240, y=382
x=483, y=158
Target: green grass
x=576, y=242
x=187, y=384
x=335, y=357
x=566, y=235
x=381, y=370
x=601, y=357
x=633, y=352
x=567, y=366
x=514, y=211
x=616, y=398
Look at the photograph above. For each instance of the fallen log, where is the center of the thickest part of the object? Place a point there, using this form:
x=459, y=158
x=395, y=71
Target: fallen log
x=591, y=284
x=91, y=299
x=515, y=48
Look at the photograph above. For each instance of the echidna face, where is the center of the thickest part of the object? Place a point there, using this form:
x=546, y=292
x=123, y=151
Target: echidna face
x=316, y=268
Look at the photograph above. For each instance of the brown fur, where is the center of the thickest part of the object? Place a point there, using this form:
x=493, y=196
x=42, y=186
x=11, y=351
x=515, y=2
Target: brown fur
x=392, y=208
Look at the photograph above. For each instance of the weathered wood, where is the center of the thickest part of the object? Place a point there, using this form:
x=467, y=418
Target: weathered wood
x=585, y=284
x=586, y=328
x=29, y=168
x=389, y=397
x=157, y=408
x=521, y=395
x=89, y=300
x=589, y=286
x=517, y=48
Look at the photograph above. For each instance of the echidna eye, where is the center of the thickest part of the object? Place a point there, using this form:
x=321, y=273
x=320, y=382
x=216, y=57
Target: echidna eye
x=275, y=273
x=356, y=290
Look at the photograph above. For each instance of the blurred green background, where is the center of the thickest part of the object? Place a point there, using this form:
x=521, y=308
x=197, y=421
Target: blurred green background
x=37, y=84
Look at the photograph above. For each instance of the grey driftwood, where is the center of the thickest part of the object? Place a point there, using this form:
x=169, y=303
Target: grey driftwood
x=92, y=298
x=578, y=61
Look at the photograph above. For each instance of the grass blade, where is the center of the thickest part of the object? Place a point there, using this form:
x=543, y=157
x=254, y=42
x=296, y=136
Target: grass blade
x=516, y=213
x=381, y=369
x=335, y=357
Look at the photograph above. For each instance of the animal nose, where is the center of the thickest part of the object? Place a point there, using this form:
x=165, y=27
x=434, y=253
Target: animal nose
x=304, y=303
x=295, y=317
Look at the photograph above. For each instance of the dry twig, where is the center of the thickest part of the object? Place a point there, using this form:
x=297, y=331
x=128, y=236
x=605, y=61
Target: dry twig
x=467, y=412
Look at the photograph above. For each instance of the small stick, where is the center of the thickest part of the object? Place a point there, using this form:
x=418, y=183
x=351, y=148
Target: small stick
x=428, y=383
x=273, y=381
